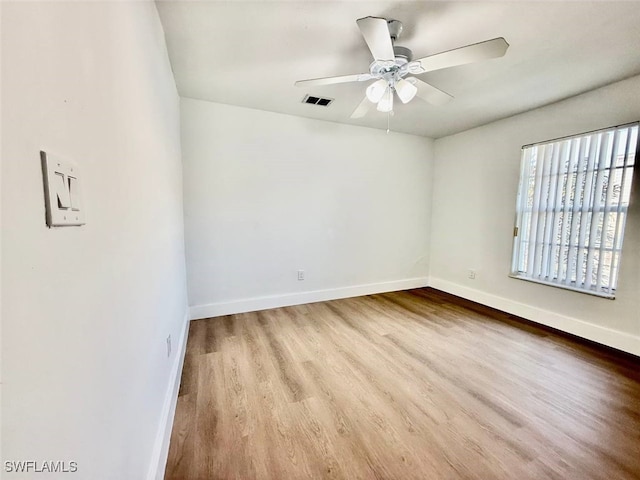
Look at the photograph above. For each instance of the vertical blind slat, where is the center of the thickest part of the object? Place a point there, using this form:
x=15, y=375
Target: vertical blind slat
x=559, y=158
x=571, y=161
x=539, y=153
x=542, y=253
x=603, y=144
x=586, y=205
x=577, y=192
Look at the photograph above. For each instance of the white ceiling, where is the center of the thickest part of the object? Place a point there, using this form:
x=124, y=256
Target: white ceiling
x=251, y=53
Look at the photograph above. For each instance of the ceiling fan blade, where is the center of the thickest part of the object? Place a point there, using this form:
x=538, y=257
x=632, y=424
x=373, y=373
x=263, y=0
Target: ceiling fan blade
x=461, y=56
x=405, y=90
x=362, y=109
x=376, y=33
x=430, y=93
x=358, y=77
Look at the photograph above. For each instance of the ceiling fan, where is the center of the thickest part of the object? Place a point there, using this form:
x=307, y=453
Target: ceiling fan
x=392, y=64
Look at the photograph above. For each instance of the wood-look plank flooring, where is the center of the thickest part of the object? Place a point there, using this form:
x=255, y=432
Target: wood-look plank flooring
x=404, y=385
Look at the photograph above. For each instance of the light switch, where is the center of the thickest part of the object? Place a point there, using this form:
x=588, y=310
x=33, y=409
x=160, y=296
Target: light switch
x=74, y=193
x=62, y=191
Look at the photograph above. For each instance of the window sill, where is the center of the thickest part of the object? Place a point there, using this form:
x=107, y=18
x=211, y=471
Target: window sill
x=608, y=296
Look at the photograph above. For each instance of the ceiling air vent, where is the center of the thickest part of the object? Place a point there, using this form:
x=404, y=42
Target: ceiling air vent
x=323, y=102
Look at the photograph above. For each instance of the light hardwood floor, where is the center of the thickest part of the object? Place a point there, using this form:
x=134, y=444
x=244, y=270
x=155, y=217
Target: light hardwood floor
x=404, y=385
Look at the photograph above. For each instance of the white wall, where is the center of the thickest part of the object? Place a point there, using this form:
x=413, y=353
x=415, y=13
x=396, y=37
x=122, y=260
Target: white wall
x=87, y=309
x=267, y=194
x=475, y=185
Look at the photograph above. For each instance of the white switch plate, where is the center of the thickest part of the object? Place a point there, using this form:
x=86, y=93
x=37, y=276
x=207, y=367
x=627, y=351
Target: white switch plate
x=62, y=191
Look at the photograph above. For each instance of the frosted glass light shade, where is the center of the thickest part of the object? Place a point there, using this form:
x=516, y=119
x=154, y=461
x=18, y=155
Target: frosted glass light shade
x=386, y=102
x=405, y=90
x=376, y=90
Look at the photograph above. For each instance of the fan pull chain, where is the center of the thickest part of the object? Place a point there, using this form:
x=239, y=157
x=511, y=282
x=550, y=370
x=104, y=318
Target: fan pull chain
x=388, y=121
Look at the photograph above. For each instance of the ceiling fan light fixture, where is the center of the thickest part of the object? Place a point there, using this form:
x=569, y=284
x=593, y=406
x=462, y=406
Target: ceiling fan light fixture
x=376, y=90
x=386, y=102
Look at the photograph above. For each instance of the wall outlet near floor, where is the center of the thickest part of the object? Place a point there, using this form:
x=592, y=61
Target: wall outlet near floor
x=300, y=274
x=169, y=346
x=472, y=274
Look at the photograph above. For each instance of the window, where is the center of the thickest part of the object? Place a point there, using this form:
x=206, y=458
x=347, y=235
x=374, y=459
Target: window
x=572, y=207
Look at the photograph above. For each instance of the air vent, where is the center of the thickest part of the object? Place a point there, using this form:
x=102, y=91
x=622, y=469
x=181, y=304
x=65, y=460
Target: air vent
x=323, y=102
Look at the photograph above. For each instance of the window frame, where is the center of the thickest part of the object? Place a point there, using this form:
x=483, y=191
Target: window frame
x=521, y=208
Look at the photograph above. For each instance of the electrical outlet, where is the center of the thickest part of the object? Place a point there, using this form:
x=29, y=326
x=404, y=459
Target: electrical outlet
x=300, y=274
x=472, y=274
x=169, y=346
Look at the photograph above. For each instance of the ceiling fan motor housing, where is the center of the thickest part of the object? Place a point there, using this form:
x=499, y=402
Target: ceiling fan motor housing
x=403, y=54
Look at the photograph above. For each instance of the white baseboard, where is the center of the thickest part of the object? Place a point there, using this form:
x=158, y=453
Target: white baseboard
x=161, y=444
x=275, y=301
x=606, y=336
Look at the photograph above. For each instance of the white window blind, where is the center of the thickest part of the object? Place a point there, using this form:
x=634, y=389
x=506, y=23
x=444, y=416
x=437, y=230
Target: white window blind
x=572, y=208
